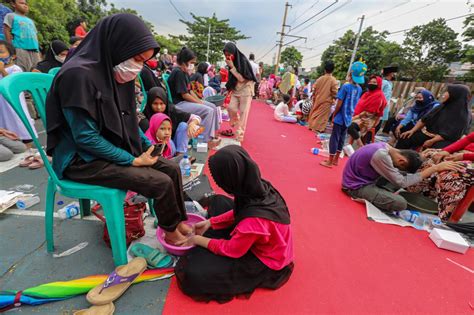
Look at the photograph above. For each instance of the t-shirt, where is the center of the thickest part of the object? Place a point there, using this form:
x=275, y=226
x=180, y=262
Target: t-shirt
x=4, y=10
x=254, y=67
x=387, y=91
x=349, y=94
x=23, y=30
x=179, y=83
x=281, y=111
x=80, y=32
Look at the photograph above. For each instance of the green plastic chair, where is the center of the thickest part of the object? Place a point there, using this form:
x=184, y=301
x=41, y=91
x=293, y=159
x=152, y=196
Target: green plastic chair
x=145, y=95
x=111, y=200
x=54, y=71
x=165, y=77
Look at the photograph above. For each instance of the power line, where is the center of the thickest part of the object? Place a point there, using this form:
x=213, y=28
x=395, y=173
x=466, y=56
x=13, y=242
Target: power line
x=176, y=9
x=451, y=19
x=305, y=12
x=271, y=49
x=309, y=19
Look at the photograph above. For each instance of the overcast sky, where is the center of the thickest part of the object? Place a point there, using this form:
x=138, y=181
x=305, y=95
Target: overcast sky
x=261, y=19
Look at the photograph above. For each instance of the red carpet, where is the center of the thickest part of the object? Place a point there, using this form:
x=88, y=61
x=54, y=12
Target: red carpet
x=344, y=263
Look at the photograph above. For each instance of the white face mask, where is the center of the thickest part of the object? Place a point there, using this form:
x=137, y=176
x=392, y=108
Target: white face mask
x=191, y=67
x=127, y=71
x=60, y=59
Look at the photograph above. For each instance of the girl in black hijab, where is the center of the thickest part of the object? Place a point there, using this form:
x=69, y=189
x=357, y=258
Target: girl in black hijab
x=55, y=56
x=248, y=244
x=242, y=86
x=443, y=125
x=93, y=132
x=184, y=125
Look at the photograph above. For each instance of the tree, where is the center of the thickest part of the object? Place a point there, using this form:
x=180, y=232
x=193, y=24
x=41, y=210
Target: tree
x=429, y=49
x=468, y=50
x=173, y=44
x=221, y=32
x=291, y=57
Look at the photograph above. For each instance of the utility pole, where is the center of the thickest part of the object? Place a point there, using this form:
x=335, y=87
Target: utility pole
x=287, y=5
x=208, y=42
x=356, y=45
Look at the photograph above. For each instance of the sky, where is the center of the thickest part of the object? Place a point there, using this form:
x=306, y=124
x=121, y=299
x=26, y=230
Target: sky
x=262, y=19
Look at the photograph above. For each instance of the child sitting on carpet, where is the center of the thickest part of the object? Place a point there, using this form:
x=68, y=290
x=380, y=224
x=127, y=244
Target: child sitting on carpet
x=282, y=112
x=303, y=107
x=347, y=98
x=376, y=160
x=160, y=132
x=247, y=242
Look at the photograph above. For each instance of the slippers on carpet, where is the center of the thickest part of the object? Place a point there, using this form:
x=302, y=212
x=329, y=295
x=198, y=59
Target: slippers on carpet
x=154, y=258
x=117, y=282
x=227, y=133
x=37, y=163
x=106, y=309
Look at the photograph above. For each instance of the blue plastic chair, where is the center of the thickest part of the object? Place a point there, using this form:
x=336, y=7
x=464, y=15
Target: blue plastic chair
x=111, y=200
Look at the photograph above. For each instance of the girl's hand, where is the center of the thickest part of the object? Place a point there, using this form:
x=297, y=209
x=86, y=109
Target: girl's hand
x=407, y=134
x=450, y=166
x=2, y=66
x=145, y=159
x=454, y=157
x=439, y=156
x=192, y=129
x=201, y=227
x=229, y=62
x=398, y=130
x=428, y=143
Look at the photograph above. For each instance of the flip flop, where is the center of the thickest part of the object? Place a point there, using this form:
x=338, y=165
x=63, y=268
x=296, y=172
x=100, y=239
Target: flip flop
x=27, y=161
x=227, y=133
x=37, y=163
x=107, y=309
x=117, y=282
x=154, y=258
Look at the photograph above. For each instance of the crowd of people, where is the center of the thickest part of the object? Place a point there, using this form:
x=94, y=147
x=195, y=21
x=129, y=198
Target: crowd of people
x=114, y=100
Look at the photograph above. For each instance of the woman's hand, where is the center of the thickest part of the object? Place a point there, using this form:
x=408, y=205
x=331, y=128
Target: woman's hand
x=398, y=130
x=192, y=129
x=145, y=159
x=437, y=157
x=429, y=143
x=450, y=166
x=455, y=157
x=407, y=134
x=9, y=134
x=201, y=227
x=229, y=62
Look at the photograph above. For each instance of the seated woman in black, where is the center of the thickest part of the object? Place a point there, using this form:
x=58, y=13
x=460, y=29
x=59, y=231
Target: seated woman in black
x=93, y=132
x=54, y=58
x=443, y=125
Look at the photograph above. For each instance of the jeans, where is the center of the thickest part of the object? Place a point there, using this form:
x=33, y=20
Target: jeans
x=338, y=137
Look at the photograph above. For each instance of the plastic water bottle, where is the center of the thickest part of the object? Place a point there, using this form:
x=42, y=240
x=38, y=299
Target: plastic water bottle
x=27, y=202
x=185, y=166
x=69, y=211
x=408, y=215
x=317, y=151
x=200, y=139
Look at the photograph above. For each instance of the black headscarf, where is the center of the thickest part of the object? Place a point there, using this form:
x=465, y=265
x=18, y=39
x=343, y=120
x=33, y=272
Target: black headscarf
x=242, y=65
x=55, y=48
x=237, y=174
x=171, y=111
x=451, y=118
x=86, y=81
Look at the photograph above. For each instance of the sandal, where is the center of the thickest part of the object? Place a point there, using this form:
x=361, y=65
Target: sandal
x=227, y=133
x=107, y=309
x=37, y=163
x=154, y=258
x=117, y=282
x=27, y=161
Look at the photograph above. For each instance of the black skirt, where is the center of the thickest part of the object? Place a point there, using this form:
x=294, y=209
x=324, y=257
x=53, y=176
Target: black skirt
x=205, y=276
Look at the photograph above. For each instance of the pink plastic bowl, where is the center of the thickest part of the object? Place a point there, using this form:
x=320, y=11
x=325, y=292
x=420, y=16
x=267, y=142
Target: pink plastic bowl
x=178, y=250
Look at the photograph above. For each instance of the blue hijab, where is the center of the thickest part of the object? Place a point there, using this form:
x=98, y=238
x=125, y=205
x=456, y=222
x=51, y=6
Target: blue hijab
x=428, y=103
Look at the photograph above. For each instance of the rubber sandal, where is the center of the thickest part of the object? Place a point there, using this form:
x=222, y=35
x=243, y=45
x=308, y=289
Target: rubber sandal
x=227, y=133
x=117, y=282
x=107, y=309
x=27, y=161
x=37, y=163
x=154, y=258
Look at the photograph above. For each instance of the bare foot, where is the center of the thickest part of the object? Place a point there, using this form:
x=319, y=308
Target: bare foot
x=184, y=229
x=175, y=238
x=335, y=163
x=326, y=163
x=213, y=143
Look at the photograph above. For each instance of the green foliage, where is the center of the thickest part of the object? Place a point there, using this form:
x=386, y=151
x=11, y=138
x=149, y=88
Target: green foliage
x=291, y=57
x=173, y=44
x=468, y=50
x=428, y=50
x=267, y=70
x=221, y=32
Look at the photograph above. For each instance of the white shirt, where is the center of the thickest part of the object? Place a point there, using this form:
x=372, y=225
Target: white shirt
x=281, y=111
x=254, y=67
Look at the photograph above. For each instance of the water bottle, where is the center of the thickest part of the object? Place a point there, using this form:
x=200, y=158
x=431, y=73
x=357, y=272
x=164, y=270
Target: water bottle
x=69, y=211
x=185, y=166
x=27, y=202
x=408, y=215
x=317, y=151
x=200, y=139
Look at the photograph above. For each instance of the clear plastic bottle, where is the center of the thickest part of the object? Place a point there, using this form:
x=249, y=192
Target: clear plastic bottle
x=27, y=202
x=317, y=151
x=185, y=166
x=408, y=215
x=69, y=211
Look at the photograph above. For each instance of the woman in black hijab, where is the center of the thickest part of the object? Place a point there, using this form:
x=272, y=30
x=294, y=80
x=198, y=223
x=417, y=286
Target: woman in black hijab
x=443, y=125
x=93, y=132
x=242, y=249
x=242, y=85
x=55, y=56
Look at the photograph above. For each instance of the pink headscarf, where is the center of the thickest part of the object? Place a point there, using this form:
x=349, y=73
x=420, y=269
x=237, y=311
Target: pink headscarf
x=155, y=123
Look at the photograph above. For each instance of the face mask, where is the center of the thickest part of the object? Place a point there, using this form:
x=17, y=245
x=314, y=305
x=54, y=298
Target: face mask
x=419, y=103
x=413, y=94
x=60, y=59
x=6, y=61
x=127, y=71
x=372, y=87
x=190, y=67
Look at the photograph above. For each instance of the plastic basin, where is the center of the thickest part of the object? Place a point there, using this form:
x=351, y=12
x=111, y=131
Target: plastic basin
x=178, y=250
x=420, y=203
x=217, y=100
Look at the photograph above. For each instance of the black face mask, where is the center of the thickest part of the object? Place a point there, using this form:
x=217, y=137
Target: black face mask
x=372, y=87
x=419, y=103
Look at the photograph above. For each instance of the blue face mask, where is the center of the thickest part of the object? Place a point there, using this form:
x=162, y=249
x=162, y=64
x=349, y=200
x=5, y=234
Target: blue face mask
x=6, y=60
